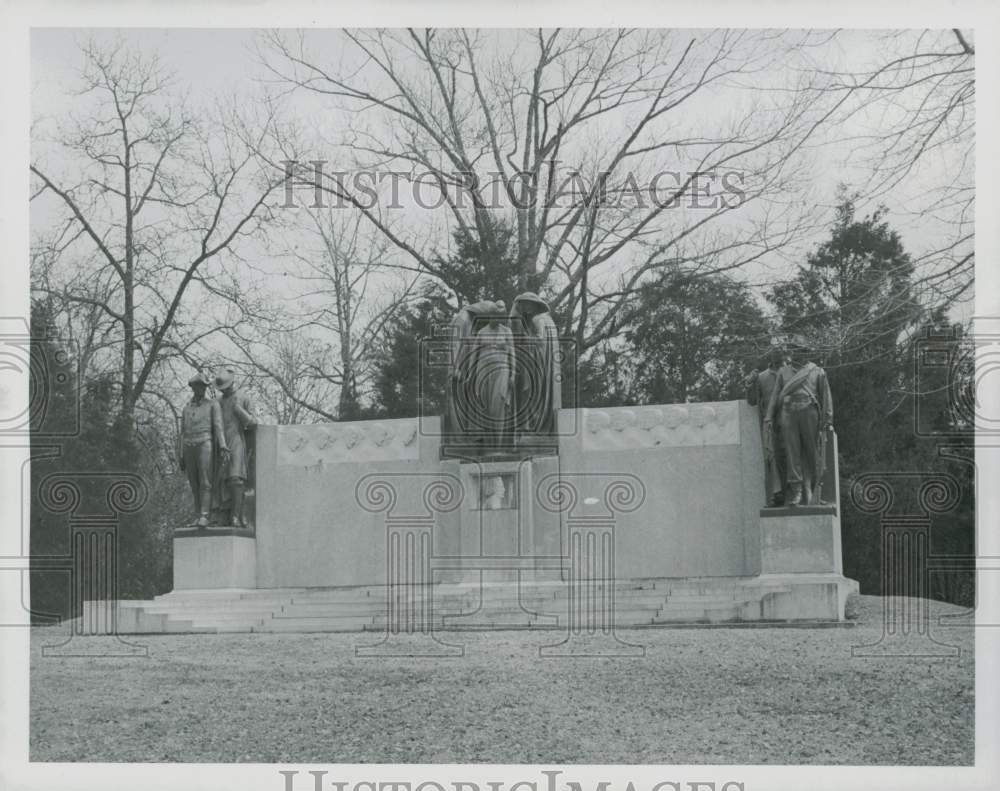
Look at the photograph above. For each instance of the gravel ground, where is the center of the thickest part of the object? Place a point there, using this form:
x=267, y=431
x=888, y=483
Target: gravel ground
x=719, y=696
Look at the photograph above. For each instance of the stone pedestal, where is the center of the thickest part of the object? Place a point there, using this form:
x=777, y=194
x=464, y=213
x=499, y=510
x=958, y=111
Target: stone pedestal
x=801, y=558
x=214, y=558
x=501, y=534
x=800, y=540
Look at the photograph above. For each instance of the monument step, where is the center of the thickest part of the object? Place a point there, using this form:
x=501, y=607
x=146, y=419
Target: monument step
x=217, y=617
x=478, y=604
x=276, y=593
x=213, y=607
x=356, y=624
x=478, y=624
x=466, y=602
x=709, y=601
x=185, y=627
x=227, y=626
x=541, y=605
x=557, y=609
x=328, y=598
x=297, y=615
x=188, y=605
x=207, y=593
x=224, y=617
x=688, y=614
x=447, y=621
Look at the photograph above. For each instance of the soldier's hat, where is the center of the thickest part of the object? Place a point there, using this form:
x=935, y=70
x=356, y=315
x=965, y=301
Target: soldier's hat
x=199, y=379
x=531, y=298
x=224, y=378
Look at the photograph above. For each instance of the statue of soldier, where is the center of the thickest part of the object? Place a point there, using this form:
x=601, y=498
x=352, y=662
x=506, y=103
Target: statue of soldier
x=237, y=420
x=803, y=408
x=759, y=385
x=203, y=444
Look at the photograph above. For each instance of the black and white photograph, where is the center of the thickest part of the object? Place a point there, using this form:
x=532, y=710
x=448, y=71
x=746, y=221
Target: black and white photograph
x=542, y=398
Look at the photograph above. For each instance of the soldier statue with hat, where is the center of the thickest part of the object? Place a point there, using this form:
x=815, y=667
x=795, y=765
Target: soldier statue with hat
x=802, y=406
x=203, y=444
x=237, y=420
x=759, y=386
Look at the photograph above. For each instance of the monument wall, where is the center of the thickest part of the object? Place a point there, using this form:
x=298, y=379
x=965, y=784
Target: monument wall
x=311, y=529
x=702, y=471
x=699, y=464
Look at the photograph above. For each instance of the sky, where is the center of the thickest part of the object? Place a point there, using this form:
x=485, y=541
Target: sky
x=212, y=65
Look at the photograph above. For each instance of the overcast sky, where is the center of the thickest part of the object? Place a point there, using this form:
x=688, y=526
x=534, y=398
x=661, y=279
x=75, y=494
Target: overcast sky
x=219, y=63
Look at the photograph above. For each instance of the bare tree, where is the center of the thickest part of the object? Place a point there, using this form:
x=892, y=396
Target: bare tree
x=147, y=196
x=918, y=105
x=526, y=117
x=315, y=345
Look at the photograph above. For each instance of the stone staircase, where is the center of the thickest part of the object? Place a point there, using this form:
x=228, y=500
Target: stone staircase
x=450, y=606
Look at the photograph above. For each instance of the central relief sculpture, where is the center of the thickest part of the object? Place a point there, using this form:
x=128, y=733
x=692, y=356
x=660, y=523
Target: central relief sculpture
x=503, y=384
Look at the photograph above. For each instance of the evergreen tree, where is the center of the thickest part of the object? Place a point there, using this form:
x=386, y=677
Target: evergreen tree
x=104, y=442
x=692, y=338
x=853, y=302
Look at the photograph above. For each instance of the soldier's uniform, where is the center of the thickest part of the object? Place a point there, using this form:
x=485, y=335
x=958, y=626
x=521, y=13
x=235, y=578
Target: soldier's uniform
x=802, y=406
x=237, y=417
x=202, y=438
x=232, y=475
x=759, y=395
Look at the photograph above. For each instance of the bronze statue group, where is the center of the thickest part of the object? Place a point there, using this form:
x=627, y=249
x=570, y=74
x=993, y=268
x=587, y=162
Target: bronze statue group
x=504, y=376
x=214, y=449
x=796, y=418
x=503, y=396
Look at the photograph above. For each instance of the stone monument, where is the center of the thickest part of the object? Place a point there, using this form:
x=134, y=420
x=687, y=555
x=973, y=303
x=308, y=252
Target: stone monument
x=641, y=515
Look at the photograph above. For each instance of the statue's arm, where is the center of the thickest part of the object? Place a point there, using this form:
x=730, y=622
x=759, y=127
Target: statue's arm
x=244, y=413
x=218, y=429
x=772, y=404
x=511, y=364
x=461, y=342
x=826, y=401
x=180, y=440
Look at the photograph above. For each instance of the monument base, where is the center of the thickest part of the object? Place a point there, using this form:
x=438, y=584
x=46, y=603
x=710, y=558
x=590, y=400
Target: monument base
x=208, y=558
x=801, y=556
x=800, y=540
x=805, y=597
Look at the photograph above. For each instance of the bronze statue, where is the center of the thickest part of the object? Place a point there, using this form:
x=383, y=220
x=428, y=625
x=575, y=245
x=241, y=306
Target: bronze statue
x=493, y=379
x=203, y=445
x=237, y=420
x=759, y=386
x=802, y=406
x=460, y=411
x=537, y=384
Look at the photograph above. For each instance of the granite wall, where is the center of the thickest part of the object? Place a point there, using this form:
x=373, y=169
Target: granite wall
x=323, y=516
x=702, y=473
x=318, y=517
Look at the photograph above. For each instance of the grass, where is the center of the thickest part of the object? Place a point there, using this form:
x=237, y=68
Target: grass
x=724, y=696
